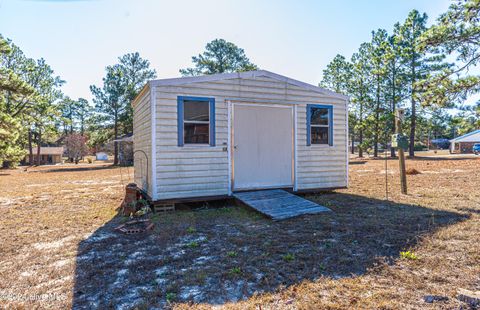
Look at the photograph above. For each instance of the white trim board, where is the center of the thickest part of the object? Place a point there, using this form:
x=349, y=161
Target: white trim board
x=153, y=129
x=229, y=145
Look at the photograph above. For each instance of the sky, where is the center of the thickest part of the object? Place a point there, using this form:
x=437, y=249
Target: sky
x=293, y=38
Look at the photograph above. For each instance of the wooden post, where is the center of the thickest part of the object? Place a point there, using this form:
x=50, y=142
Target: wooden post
x=401, y=155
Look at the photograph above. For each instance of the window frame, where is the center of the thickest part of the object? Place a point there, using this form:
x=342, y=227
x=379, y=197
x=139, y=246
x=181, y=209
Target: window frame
x=180, y=120
x=330, y=123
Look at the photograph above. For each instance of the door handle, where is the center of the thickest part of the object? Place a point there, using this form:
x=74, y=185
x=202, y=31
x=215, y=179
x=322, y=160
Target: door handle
x=235, y=147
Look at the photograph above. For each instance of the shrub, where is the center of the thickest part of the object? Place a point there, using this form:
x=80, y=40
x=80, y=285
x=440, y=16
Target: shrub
x=89, y=160
x=142, y=203
x=288, y=257
x=235, y=271
x=191, y=230
x=192, y=244
x=420, y=147
x=171, y=297
x=76, y=146
x=232, y=254
x=143, y=211
x=408, y=255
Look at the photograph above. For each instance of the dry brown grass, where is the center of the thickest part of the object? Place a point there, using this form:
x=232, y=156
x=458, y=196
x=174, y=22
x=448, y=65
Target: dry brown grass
x=57, y=228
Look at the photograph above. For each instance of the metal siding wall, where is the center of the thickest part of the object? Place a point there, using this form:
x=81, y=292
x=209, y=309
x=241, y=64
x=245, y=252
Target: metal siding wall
x=192, y=171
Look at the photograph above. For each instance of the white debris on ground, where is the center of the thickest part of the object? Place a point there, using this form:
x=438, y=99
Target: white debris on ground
x=53, y=244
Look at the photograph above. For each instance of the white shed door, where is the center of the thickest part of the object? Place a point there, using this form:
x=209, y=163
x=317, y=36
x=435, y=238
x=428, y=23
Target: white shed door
x=262, y=146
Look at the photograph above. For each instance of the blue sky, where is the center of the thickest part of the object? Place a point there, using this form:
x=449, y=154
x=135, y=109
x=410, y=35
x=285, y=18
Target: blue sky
x=294, y=38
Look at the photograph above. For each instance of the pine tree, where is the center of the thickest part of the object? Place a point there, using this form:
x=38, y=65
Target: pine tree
x=219, y=56
x=337, y=76
x=12, y=89
x=418, y=65
x=457, y=32
x=135, y=72
x=360, y=91
x=121, y=85
x=109, y=101
x=378, y=50
x=82, y=113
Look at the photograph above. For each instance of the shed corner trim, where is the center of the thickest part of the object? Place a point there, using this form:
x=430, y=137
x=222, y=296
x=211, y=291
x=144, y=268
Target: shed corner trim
x=153, y=111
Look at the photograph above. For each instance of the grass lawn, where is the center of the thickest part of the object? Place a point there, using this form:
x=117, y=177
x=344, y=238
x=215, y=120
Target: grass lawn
x=59, y=246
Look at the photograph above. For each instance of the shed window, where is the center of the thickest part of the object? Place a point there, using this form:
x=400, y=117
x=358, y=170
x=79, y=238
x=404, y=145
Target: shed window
x=319, y=124
x=196, y=120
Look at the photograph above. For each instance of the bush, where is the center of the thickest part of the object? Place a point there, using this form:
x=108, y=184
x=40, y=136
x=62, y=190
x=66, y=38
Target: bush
x=288, y=257
x=89, y=160
x=235, y=271
x=408, y=255
x=232, y=254
x=420, y=147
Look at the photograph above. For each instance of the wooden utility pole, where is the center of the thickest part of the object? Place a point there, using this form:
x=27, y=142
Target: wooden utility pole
x=399, y=113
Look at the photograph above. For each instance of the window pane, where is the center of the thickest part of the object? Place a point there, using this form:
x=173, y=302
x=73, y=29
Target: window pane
x=195, y=133
x=319, y=135
x=195, y=110
x=319, y=116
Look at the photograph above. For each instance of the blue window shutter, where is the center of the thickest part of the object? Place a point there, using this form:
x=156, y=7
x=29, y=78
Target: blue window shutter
x=330, y=126
x=180, y=120
x=212, y=121
x=309, y=116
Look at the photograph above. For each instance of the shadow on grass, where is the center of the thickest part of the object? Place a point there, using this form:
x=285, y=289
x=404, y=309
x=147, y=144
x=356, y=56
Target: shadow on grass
x=357, y=162
x=433, y=158
x=423, y=158
x=223, y=254
x=76, y=168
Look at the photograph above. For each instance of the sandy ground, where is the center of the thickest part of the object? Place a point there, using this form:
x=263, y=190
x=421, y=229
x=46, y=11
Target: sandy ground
x=60, y=249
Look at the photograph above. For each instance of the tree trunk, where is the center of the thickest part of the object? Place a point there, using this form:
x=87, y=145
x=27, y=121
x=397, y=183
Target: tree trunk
x=377, y=120
x=394, y=107
x=30, y=148
x=39, y=141
x=353, y=141
x=411, y=147
x=115, y=144
x=360, y=136
x=360, y=141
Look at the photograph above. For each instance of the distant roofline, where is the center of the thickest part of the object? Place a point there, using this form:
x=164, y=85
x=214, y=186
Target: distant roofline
x=465, y=135
x=49, y=150
x=247, y=74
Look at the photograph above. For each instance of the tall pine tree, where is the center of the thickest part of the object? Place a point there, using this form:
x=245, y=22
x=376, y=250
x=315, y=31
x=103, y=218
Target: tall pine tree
x=418, y=65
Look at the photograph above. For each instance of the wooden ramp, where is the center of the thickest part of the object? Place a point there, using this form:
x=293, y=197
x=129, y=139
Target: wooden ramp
x=279, y=204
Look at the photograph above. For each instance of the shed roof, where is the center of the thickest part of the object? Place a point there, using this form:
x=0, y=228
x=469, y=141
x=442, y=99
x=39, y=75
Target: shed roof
x=49, y=150
x=248, y=74
x=125, y=138
x=473, y=136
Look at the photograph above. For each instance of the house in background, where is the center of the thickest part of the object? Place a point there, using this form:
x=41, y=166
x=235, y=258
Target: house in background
x=211, y=136
x=464, y=144
x=441, y=144
x=49, y=155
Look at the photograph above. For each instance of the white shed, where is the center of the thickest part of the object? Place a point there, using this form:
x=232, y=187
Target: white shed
x=210, y=136
x=101, y=156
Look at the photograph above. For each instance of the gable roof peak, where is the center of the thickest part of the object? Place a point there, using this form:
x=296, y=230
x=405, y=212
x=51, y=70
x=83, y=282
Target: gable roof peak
x=245, y=75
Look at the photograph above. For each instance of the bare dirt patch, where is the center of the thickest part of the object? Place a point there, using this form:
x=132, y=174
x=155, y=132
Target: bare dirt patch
x=60, y=240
